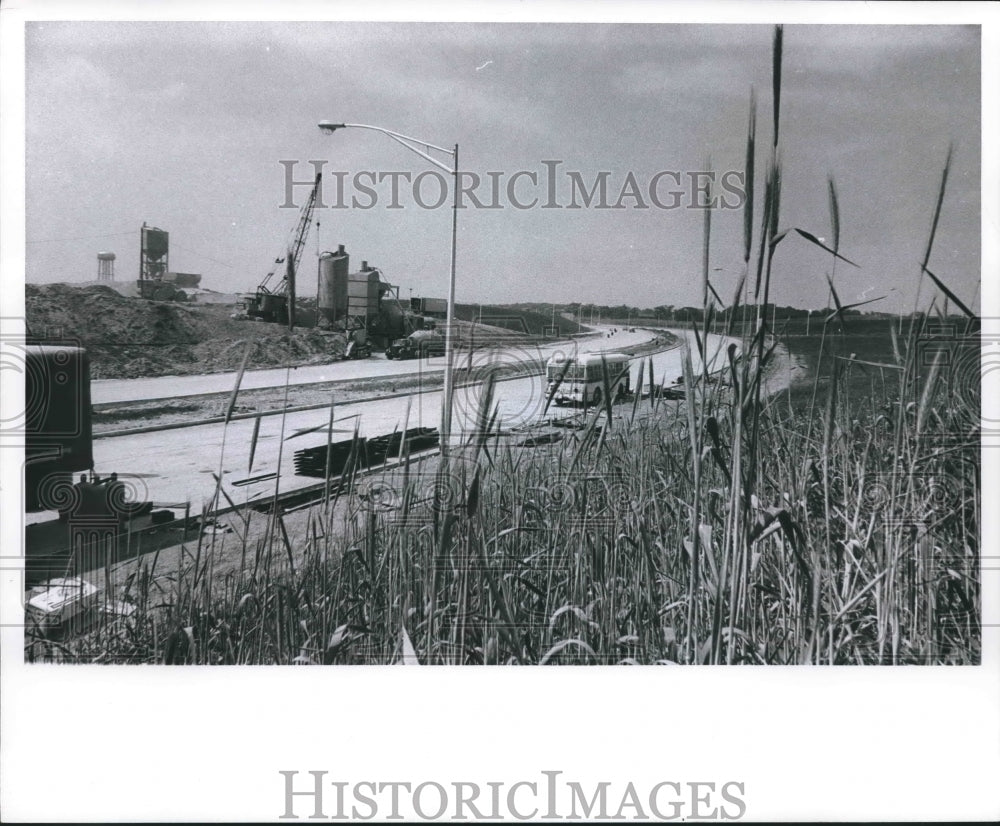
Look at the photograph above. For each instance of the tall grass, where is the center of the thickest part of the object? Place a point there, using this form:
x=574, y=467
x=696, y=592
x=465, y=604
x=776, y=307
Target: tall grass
x=597, y=551
x=734, y=527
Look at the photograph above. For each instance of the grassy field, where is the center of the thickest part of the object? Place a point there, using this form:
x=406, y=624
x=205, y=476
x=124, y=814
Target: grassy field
x=837, y=522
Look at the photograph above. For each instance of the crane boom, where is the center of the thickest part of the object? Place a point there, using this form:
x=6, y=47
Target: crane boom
x=298, y=243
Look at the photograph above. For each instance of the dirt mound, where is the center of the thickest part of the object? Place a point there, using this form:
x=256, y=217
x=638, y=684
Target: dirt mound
x=132, y=337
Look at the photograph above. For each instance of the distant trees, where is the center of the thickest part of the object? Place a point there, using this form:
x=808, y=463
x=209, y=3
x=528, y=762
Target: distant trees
x=668, y=313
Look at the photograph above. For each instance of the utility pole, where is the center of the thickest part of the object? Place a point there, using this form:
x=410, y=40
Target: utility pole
x=423, y=148
x=290, y=275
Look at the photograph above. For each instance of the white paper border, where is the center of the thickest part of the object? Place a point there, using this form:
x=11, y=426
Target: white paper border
x=113, y=743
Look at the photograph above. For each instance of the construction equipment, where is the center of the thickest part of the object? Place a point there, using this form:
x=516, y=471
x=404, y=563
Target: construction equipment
x=357, y=345
x=419, y=344
x=272, y=303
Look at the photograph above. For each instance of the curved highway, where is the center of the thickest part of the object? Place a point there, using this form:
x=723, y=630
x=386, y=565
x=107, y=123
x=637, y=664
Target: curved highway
x=109, y=391
x=177, y=466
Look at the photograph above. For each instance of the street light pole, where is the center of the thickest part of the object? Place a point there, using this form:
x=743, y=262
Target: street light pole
x=449, y=333
x=414, y=144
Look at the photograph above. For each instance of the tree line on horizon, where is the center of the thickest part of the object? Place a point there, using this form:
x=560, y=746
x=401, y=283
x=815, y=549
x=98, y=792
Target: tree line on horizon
x=668, y=312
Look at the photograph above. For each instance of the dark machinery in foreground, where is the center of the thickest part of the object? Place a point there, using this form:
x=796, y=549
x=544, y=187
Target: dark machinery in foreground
x=90, y=511
x=58, y=430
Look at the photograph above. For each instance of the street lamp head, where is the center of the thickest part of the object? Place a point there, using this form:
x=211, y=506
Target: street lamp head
x=423, y=149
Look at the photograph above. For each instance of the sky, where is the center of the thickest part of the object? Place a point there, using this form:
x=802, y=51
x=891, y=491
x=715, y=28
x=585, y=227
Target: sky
x=185, y=125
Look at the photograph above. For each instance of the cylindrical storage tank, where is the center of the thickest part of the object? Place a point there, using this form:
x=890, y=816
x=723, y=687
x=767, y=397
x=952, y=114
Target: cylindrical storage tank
x=392, y=323
x=331, y=292
x=324, y=286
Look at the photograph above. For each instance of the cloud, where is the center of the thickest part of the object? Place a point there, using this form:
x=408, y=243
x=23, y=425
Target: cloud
x=184, y=123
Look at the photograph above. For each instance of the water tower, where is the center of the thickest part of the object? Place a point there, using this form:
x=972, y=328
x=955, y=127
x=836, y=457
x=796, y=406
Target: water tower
x=105, y=266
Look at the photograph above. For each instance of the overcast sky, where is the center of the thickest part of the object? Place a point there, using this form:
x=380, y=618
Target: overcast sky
x=183, y=125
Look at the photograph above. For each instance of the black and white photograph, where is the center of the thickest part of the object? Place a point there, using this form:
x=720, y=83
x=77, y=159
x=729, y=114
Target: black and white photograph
x=637, y=343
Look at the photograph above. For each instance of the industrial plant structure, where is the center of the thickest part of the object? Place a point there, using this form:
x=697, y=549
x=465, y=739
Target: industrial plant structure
x=156, y=282
x=361, y=300
x=154, y=253
x=362, y=304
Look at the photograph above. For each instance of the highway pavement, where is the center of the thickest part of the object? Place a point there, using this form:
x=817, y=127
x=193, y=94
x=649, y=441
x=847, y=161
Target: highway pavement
x=177, y=466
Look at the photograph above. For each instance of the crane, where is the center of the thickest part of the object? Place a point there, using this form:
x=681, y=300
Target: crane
x=271, y=304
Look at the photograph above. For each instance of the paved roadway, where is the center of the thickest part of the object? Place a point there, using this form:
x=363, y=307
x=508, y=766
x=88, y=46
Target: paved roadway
x=107, y=391
x=176, y=466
